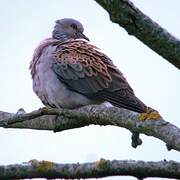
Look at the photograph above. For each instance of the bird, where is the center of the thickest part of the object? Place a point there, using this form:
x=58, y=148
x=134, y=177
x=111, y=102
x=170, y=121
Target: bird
x=69, y=72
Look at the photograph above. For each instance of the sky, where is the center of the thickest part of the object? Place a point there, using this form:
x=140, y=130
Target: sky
x=156, y=82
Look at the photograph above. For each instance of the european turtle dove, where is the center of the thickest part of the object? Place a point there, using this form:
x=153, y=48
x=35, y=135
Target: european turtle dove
x=69, y=72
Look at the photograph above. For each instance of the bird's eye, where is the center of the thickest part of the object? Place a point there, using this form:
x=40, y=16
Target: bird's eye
x=74, y=26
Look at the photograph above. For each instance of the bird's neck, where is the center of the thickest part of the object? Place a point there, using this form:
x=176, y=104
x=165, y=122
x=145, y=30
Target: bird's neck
x=59, y=36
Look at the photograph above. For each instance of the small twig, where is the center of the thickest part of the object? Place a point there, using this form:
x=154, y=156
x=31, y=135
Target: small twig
x=136, y=141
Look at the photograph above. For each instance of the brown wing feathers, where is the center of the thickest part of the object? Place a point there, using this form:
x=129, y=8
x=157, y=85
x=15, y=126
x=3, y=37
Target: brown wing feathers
x=83, y=68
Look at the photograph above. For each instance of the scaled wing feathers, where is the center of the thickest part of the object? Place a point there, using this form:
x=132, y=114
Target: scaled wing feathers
x=86, y=70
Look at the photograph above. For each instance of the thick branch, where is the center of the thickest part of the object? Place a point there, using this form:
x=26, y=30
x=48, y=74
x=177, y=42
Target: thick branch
x=68, y=119
x=102, y=168
x=124, y=13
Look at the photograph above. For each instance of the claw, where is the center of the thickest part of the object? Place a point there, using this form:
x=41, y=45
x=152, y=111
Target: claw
x=150, y=114
x=44, y=109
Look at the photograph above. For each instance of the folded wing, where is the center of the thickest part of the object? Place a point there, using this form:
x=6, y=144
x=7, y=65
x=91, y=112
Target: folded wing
x=86, y=70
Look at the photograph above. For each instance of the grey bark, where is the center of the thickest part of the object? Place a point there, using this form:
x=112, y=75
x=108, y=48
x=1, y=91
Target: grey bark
x=63, y=119
x=136, y=23
x=102, y=168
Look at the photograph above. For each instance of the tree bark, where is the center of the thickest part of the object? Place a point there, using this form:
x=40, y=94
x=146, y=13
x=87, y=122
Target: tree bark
x=63, y=119
x=136, y=23
x=101, y=168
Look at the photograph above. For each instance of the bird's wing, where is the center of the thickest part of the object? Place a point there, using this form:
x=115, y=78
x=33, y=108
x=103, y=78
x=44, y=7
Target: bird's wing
x=86, y=70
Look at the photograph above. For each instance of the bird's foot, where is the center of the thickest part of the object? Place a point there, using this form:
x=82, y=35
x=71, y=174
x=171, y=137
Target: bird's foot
x=44, y=109
x=150, y=114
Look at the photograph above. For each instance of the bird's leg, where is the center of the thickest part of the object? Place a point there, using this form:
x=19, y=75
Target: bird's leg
x=150, y=114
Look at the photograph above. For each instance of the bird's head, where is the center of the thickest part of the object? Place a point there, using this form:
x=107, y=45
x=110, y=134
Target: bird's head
x=68, y=28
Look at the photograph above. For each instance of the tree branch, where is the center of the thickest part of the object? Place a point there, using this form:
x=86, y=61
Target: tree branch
x=124, y=13
x=63, y=119
x=102, y=168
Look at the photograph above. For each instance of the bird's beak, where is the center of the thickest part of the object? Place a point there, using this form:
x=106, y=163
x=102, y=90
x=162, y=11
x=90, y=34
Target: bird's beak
x=81, y=35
